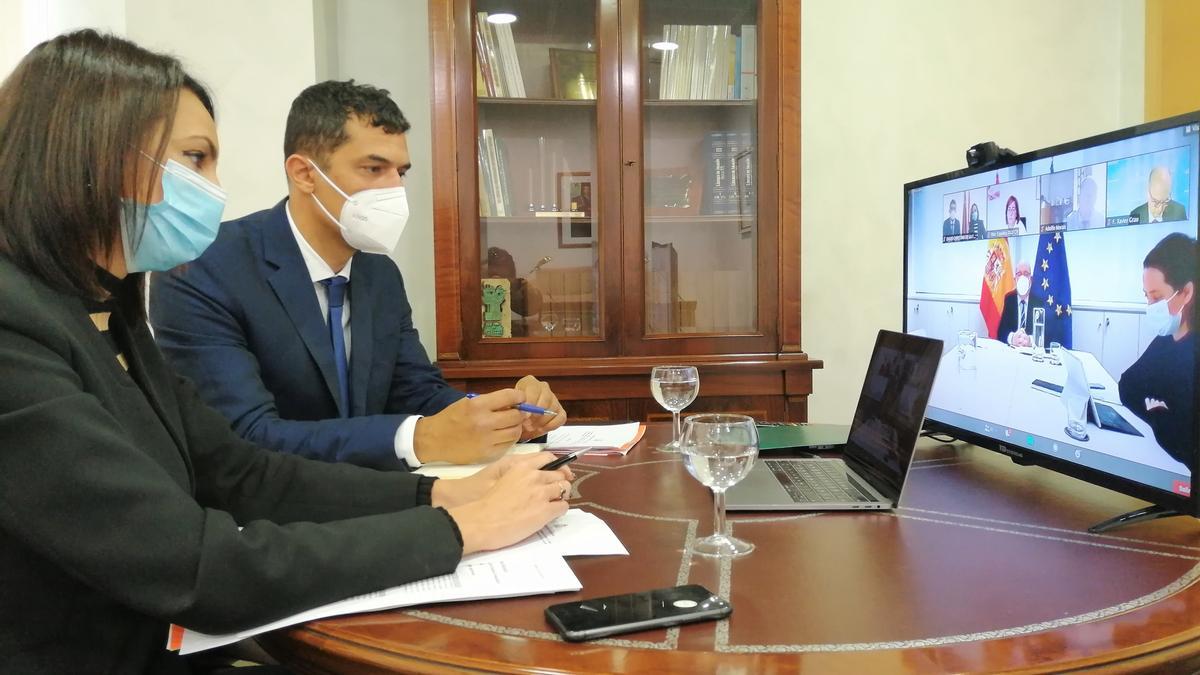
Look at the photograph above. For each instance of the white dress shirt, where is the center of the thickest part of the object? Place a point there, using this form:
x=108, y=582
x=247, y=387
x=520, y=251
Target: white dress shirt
x=318, y=271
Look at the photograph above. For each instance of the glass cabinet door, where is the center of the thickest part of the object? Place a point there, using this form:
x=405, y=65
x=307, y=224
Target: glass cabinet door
x=699, y=84
x=536, y=89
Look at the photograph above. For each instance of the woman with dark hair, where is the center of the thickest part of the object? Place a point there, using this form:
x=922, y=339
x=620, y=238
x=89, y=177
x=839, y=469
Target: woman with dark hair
x=1158, y=386
x=125, y=503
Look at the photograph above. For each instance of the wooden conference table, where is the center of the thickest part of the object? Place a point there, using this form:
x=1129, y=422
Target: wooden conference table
x=985, y=567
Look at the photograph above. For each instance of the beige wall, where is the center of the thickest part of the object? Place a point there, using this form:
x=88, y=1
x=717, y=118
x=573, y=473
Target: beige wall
x=254, y=56
x=896, y=91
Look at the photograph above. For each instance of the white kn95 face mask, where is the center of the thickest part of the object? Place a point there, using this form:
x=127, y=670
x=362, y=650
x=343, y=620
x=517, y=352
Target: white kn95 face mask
x=371, y=220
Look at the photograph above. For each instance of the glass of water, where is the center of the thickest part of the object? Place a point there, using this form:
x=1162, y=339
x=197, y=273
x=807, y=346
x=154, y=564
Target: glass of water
x=719, y=450
x=966, y=349
x=1076, y=395
x=674, y=387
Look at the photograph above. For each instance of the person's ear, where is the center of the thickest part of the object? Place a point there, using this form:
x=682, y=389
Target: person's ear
x=300, y=172
x=1188, y=292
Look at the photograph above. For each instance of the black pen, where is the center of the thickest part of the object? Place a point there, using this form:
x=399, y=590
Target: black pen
x=565, y=459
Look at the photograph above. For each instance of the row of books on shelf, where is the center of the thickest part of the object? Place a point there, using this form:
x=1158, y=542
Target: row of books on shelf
x=731, y=174
x=709, y=62
x=495, y=199
x=497, y=68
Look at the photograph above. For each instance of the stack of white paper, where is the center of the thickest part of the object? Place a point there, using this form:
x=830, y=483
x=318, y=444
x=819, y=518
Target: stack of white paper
x=531, y=567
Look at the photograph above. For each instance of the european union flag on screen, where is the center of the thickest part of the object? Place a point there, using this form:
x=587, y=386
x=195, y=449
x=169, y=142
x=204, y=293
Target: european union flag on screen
x=1052, y=282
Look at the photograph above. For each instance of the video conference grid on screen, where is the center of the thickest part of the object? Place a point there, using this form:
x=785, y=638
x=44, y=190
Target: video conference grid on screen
x=1053, y=251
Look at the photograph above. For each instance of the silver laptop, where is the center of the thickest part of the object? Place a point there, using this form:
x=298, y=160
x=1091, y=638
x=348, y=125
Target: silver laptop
x=878, y=451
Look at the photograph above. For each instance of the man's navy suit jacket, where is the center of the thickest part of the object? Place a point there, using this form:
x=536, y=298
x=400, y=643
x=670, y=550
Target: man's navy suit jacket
x=244, y=324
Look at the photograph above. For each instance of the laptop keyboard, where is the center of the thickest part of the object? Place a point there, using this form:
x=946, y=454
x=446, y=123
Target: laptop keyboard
x=817, y=482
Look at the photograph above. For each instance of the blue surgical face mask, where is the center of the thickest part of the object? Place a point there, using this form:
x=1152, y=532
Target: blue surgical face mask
x=1161, y=319
x=177, y=229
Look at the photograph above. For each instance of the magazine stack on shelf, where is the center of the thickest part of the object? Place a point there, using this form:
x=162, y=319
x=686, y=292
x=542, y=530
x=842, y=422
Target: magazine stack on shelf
x=495, y=198
x=708, y=63
x=498, y=72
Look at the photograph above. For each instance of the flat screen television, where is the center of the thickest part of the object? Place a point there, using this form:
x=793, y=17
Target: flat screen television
x=1062, y=284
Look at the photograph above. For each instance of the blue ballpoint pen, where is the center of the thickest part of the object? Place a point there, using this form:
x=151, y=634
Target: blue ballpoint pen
x=526, y=407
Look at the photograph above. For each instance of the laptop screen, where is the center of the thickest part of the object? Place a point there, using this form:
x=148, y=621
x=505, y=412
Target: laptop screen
x=891, y=409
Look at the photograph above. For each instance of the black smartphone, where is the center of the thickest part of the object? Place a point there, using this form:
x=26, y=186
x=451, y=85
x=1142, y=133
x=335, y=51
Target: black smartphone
x=601, y=617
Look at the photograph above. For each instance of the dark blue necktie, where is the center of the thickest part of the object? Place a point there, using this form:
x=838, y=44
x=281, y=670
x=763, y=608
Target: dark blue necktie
x=337, y=297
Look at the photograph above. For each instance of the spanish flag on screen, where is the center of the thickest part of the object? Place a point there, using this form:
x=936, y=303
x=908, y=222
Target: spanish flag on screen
x=997, y=283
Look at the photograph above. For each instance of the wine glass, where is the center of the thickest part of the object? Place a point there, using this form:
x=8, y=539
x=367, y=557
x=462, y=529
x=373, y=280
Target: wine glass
x=719, y=450
x=549, y=320
x=674, y=387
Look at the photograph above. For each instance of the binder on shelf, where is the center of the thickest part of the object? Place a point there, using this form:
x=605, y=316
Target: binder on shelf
x=747, y=166
x=717, y=178
x=662, y=280
x=733, y=152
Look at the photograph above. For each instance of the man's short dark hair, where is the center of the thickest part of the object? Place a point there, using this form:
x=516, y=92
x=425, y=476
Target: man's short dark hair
x=316, y=124
x=1175, y=257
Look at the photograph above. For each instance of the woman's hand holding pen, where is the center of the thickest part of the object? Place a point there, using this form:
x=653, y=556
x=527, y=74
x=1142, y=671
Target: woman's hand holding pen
x=505, y=502
x=458, y=491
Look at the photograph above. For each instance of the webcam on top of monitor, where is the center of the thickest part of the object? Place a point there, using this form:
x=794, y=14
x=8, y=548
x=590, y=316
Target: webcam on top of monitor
x=982, y=155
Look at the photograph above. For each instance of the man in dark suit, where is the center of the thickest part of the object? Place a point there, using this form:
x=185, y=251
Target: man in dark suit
x=1159, y=207
x=1017, y=318
x=296, y=328
x=951, y=226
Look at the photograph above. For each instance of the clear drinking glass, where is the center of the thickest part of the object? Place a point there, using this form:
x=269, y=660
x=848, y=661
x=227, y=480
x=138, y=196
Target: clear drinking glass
x=674, y=387
x=1076, y=395
x=966, y=349
x=719, y=450
x=549, y=320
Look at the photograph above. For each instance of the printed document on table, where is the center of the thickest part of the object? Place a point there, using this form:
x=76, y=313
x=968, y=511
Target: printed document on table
x=575, y=532
x=499, y=574
x=529, y=567
x=578, y=532
x=607, y=439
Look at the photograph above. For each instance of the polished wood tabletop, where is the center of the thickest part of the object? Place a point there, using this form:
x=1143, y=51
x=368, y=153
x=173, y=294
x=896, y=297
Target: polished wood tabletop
x=985, y=567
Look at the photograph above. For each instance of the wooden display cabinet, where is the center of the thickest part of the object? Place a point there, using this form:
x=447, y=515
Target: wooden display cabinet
x=632, y=169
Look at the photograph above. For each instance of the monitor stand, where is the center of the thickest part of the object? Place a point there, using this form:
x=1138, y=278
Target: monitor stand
x=1148, y=513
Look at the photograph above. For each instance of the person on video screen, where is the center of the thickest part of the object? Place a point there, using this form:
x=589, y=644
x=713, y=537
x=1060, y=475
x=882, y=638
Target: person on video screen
x=1158, y=386
x=1012, y=216
x=1016, y=319
x=951, y=227
x=1159, y=207
x=1085, y=216
x=976, y=223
